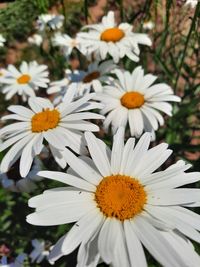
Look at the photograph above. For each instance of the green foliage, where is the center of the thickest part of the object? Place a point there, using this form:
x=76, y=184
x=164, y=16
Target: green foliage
x=16, y=20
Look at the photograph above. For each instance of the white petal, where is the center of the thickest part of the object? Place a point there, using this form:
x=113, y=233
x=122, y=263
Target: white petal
x=117, y=151
x=68, y=179
x=75, y=105
x=88, y=253
x=107, y=239
x=128, y=150
x=152, y=160
x=54, y=138
x=27, y=156
x=156, y=244
x=14, y=153
x=82, y=116
x=138, y=153
x=183, y=247
x=22, y=111
x=38, y=104
x=57, y=198
x=170, y=216
x=14, y=127
x=83, y=169
x=12, y=140
x=80, y=232
x=61, y=214
x=136, y=122
x=135, y=249
x=98, y=154
x=58, y=156
x=173, y=197
x=80, y=125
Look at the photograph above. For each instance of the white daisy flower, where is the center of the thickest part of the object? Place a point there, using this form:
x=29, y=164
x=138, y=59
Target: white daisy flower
x=13, y=181
x=51, y=20
x=24, y=81
x=133, y=99
x=60, y=126
x=82, y=82
x=67, y=43
x=35, y=39
x=18, y=262
x=119, y=203
x=116, y=40
x=2, y=40
x=192, y=3
x=40, y=252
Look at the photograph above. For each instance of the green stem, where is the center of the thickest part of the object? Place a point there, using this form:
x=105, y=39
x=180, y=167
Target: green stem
x=121, y=10
x=86, y=11
x=64, y=13
x=186, y=43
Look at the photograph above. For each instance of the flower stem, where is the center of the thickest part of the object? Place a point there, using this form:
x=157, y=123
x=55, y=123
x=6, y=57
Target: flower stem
x=121, y=10
x=192, y=27
x=86, y=11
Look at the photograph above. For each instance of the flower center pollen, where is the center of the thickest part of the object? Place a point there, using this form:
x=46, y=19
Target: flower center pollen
x=120, y=196
x=91, y=76
x=25, y=78
x=45, y=120
x=132, y=100
x=112, y=35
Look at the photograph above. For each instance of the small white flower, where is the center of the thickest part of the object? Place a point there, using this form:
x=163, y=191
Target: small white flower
x=82, y=82
x=67, y=43
x=192, y=3
x=134, y=100
x=61, y=126
x=93, y=77
x=40, y=251
x=148, y=25
x=116, y=40
x=35, y=39
x=24, y=81
x=119, y=204
x=2, y=40
x=13, y=181
x=51, y=20
x=18, y=262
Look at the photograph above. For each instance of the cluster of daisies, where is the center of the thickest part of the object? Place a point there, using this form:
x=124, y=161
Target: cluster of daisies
x=117, y=199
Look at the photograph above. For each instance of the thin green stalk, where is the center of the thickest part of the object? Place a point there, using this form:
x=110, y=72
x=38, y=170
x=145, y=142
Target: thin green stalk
x=121, y=10
x=163, y=65
x=86, y=11
x=192, y=27
x=64, y=13
x=166, y=29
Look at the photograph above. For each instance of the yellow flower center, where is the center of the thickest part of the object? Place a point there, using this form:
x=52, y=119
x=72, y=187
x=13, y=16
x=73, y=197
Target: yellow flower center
x=45, y=120
x=1, y=73
x=132, y=100
x=120, y=196
x=25, y=78
x=112, y=35
x=91, y=76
